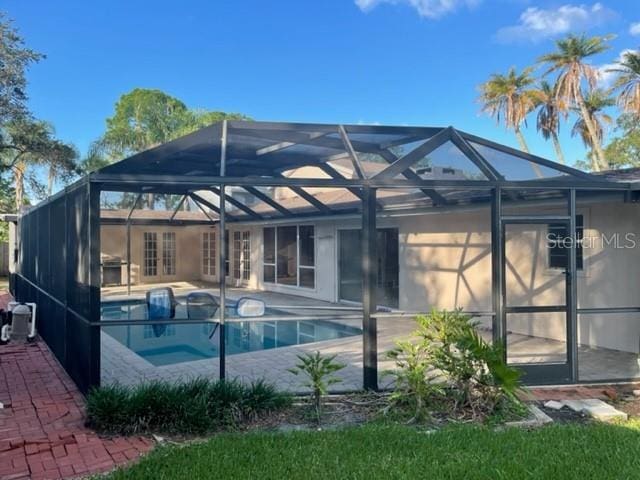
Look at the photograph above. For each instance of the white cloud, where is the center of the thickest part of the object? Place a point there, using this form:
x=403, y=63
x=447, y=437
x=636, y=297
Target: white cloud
x=634, y=29
x=537, y=24
x=426, y=8
x=606, y=78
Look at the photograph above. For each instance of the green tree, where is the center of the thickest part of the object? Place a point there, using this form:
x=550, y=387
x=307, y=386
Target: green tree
x=510, y=98
x=568, y=61
x=550, y=109
x=628, y=82
x=33, y=143
x=146, y=118
x=15, y=58
x=624, y=149
x=143, y=119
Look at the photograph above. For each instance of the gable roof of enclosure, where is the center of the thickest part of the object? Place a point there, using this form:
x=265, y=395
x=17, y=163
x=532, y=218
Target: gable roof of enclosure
x=259, y=154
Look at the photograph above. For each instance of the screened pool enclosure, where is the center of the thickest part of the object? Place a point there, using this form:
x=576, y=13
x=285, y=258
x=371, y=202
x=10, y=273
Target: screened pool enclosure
x=268, y=240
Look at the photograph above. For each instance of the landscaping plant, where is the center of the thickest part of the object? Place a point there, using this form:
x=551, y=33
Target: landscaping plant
x=447, y=362
x=194, y=407
x=319, y=370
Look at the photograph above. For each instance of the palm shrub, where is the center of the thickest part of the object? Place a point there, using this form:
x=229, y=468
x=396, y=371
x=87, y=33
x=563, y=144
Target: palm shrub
x=416, y=385
x=448, y=362
x=319, y=370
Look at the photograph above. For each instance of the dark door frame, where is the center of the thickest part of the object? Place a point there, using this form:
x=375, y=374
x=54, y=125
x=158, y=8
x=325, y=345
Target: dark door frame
x=544, y=373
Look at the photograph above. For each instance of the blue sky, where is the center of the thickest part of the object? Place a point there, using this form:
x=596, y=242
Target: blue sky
x=415, y=62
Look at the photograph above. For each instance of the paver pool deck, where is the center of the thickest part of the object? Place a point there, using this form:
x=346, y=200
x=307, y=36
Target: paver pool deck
x=42, y=432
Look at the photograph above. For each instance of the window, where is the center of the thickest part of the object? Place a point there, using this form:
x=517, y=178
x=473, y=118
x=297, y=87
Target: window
x=236, y=255
x=246, y=255
x=209, y=253
x=169, y=253
x=289, y=255
x=150, y=254
x=307, y=256
x=559, y=243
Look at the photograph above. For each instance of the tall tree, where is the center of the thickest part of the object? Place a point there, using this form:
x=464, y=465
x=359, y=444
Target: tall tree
x=628, y=82
x=569, y=62
x=15, y=58
x=510, y=98
x=61, y=161
x=550, y=109
x=33, y=143
x=143, y=119
x=596, y=101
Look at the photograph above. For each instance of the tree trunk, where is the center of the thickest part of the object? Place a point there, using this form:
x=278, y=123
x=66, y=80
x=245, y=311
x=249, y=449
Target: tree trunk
x=525, y=148
x=521, y=140
x=598, y=161
x=50, y=181
x=558, y=148
x=19, y=169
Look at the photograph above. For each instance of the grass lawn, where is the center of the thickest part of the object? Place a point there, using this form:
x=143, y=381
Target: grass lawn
x=372, y=452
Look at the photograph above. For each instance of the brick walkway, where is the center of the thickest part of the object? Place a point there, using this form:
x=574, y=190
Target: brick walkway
x=42, y=432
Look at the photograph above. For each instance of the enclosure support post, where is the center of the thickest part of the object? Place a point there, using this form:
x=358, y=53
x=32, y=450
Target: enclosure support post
x=369, y=285
x=133, y=207
x=572, y=289
x=128, y=258
x=222, y=256
x=93, y=191
x=497, y=285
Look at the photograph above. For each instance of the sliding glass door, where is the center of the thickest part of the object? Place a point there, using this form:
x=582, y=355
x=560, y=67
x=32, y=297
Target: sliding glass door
x=350, y=266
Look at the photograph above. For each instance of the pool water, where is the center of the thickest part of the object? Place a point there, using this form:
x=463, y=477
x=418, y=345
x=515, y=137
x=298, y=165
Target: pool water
x=178, y=343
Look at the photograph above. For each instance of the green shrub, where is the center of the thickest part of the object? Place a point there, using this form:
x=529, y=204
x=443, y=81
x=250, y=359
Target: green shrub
x=448, y=362
x=416, y=385
x=194, y=407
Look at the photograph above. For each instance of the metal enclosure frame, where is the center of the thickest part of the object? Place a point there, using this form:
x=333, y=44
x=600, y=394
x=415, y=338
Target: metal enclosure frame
x=258, y=154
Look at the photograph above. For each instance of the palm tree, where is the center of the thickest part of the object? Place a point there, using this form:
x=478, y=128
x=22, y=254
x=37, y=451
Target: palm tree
x=548, y=120
x=511, y=98
x=569, y=62
x=595, y=102
x=628, y=69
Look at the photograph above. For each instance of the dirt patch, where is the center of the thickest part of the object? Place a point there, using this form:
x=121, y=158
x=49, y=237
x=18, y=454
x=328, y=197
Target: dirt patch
x=338, y=411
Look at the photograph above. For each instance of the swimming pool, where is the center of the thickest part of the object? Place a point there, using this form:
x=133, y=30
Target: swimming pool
x=177, y=343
